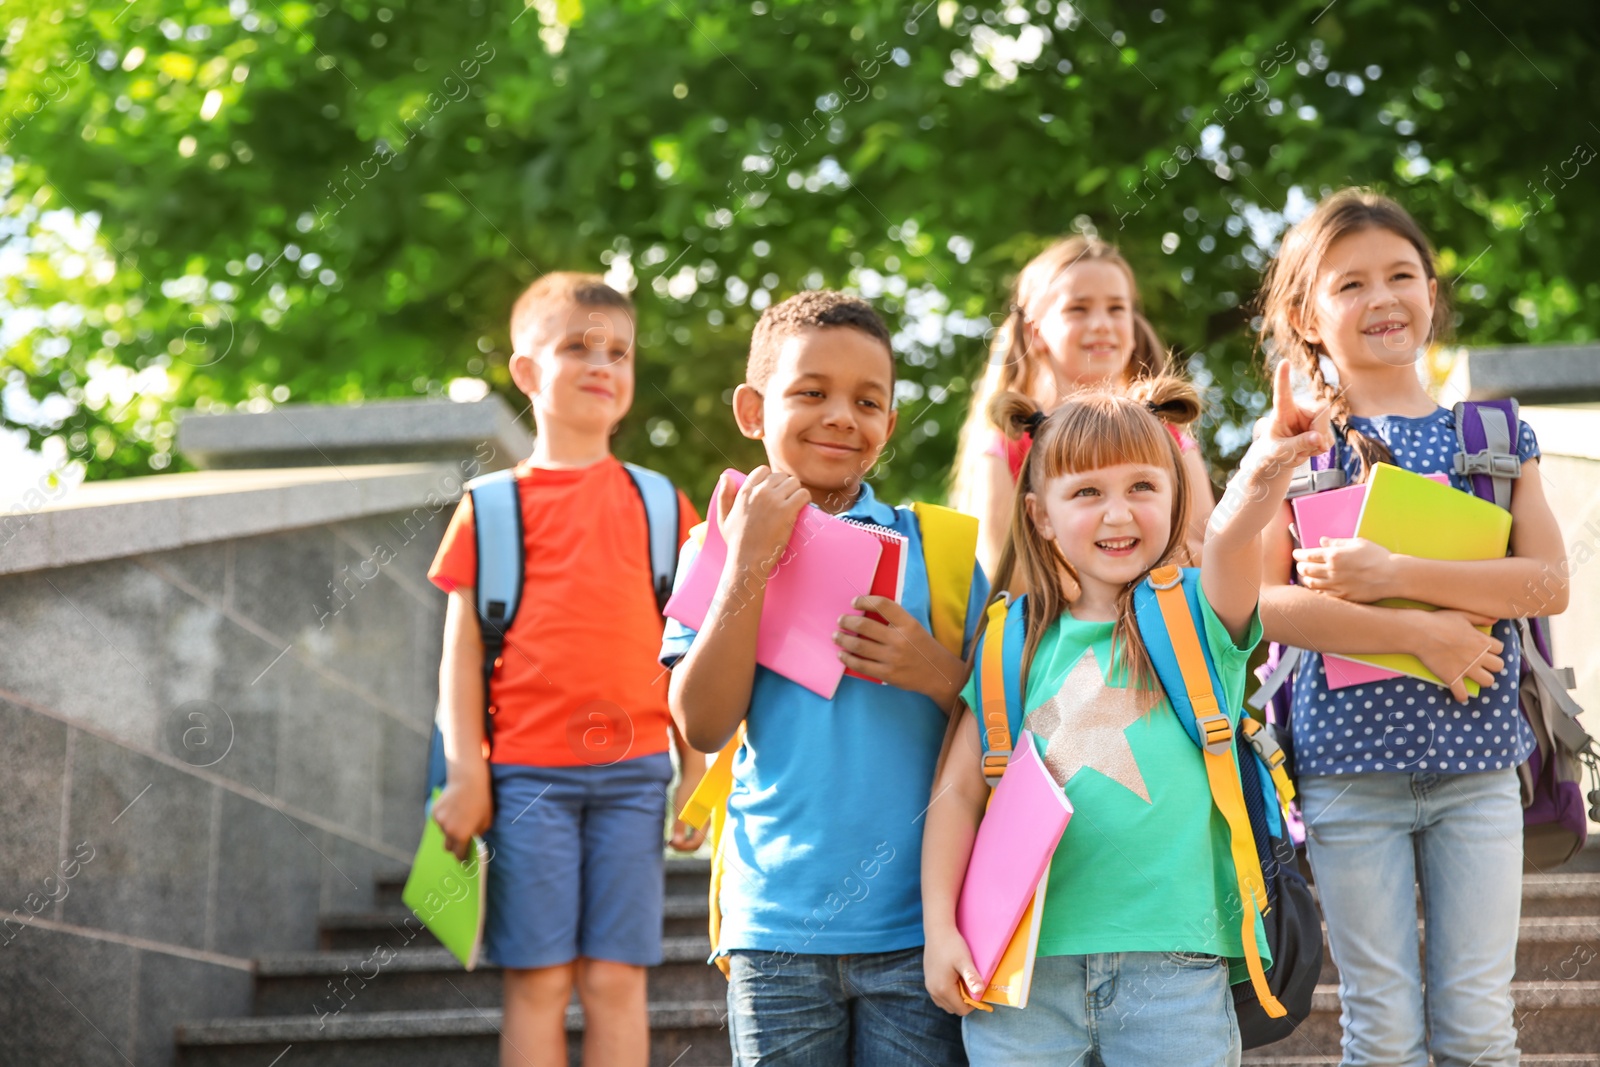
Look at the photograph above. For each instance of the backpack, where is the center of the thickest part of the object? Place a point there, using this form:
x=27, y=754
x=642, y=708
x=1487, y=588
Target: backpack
x=949, y=553
x=1554, y=822
x=1249, y=786
x=497, y=529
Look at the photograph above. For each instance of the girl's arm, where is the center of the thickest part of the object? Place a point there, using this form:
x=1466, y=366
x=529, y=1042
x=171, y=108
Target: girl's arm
x=959, y=796
x=1445, y=641
x=1533, y=580
x=1231, y=571
x=994, y=495
x=1201, y=501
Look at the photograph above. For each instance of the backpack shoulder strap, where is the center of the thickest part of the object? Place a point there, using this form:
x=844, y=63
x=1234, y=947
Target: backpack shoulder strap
x=660, y=498
x=1486, y=447
x=1165, y=606
x=1321, y=472
x=999, y=689
x=949, y=552
x=497, y=530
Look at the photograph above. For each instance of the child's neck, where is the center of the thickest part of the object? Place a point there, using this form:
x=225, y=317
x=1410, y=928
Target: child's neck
x=560, y=447
x=1097, y=602
x=1387, y=391
x=835, y=501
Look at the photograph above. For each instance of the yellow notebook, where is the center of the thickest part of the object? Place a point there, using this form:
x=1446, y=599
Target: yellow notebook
x=1416, y=516
x=1014, y=977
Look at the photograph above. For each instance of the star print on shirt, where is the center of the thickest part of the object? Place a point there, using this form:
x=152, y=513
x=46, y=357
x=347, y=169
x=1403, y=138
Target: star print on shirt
x=1084, y=724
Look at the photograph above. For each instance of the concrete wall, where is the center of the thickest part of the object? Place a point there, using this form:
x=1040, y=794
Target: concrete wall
x=215, y=695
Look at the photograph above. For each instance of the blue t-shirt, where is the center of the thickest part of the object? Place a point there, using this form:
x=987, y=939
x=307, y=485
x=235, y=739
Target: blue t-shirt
x=1406, y=724
x=823, y=840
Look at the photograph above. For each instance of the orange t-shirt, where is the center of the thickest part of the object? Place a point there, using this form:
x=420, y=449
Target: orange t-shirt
x=578, y=683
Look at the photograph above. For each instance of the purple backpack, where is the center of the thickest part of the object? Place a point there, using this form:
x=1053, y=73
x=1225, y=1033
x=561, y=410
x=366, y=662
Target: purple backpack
x=1554, y=820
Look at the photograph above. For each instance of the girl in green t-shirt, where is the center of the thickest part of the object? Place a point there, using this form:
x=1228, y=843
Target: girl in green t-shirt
x=1132, y=947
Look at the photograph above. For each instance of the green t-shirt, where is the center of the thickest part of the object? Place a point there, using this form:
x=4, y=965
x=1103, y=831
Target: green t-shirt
x=1144, y=864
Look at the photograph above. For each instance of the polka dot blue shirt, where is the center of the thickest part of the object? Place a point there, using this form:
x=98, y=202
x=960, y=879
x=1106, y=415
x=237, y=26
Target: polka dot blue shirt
x=1405, y=724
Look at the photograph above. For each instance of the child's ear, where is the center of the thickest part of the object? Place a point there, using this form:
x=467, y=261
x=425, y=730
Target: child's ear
x=1305, y=323
x=749, y=411
x=1039, y=517
x=524, y=373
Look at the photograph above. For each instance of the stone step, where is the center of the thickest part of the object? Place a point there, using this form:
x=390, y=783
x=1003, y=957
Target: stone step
x=686, y=877
x=686, y=1034
x=1546, y=895
x=340, y=983
x=1553, y=1018
x=364, y=931
x=1548, y=949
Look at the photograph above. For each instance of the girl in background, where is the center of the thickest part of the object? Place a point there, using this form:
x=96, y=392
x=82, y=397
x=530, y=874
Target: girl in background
x=1073, y=321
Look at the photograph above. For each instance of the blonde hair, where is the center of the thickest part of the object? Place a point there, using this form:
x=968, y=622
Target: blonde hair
x=1094, y=428
x=1014, y=366
x=1286, y=296
x=561, y=287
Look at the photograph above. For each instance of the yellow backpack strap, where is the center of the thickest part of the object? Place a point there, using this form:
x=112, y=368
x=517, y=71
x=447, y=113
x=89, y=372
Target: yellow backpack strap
x=949, y=550
x=992, y=691
x=1272, y=755
x=709, y=802
x=1221, y=771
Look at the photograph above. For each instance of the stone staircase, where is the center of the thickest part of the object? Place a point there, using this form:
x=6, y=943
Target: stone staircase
x=382, y=992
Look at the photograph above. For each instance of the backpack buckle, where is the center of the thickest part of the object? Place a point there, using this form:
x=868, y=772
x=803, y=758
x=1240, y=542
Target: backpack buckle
x=1494, y=464
x=1215, y=730
x=994, y=766
x=1309, y=482
x=1165, y=577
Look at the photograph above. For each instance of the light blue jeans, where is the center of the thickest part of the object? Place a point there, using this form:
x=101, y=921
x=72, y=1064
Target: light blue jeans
x=1113, y=1009
x=1371, y=837
x=866, y=1010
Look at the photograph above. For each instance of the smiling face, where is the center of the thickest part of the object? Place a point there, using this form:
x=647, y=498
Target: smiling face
x=575, y=364
x=1085, y=323
x=824, y=412
x=1371, y=304
x=1112, y=524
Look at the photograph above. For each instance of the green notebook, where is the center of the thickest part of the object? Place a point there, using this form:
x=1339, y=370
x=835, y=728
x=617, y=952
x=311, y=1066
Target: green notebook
x=448, y=896
x=1416, y=516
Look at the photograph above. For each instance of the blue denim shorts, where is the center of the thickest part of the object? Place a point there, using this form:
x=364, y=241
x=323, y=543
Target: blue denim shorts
x=1114, y=1008
x=575, y=864
x=787, y=1009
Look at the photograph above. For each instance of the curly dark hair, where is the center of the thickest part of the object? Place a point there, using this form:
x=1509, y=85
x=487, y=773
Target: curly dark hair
x=809, y=310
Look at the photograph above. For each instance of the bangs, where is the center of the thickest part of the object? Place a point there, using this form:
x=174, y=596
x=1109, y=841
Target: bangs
x=1102, y=430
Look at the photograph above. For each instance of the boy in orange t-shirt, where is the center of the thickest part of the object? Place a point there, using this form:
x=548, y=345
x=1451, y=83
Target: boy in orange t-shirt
x=571, y=798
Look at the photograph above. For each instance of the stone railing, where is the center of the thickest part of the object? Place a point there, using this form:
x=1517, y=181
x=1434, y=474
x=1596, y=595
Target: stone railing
x=216, y=691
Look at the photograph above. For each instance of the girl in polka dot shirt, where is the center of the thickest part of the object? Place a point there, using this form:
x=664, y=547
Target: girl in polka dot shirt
x=1404, y=782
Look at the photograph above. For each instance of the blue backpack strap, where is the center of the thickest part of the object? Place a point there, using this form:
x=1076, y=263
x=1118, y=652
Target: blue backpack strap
x=660, y=498
x=1486, y=448
x=497, y=587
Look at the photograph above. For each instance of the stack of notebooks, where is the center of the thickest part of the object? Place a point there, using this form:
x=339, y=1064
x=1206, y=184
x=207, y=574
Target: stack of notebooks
x=1412, y=514
x=1001, y=907
x=829, y=562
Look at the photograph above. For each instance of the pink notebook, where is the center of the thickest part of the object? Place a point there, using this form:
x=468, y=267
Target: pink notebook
x=1333, y=513
x=829, y=562
x=1024, y=822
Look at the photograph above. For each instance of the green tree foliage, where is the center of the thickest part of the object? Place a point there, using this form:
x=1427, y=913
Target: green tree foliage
x=215, y=204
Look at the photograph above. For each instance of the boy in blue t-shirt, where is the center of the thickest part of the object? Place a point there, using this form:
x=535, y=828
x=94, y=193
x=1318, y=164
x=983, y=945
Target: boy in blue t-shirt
x=821, y=915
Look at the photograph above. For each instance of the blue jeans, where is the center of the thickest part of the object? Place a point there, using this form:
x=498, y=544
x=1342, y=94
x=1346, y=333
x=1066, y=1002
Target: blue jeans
x=1114, y=1009
x=1458, y=836
x=867, y=1010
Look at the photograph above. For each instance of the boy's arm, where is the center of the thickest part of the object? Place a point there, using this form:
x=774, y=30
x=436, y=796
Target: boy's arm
x=1231, y=571
x=464, y=808
x=711, y=684
x=1533, y=580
